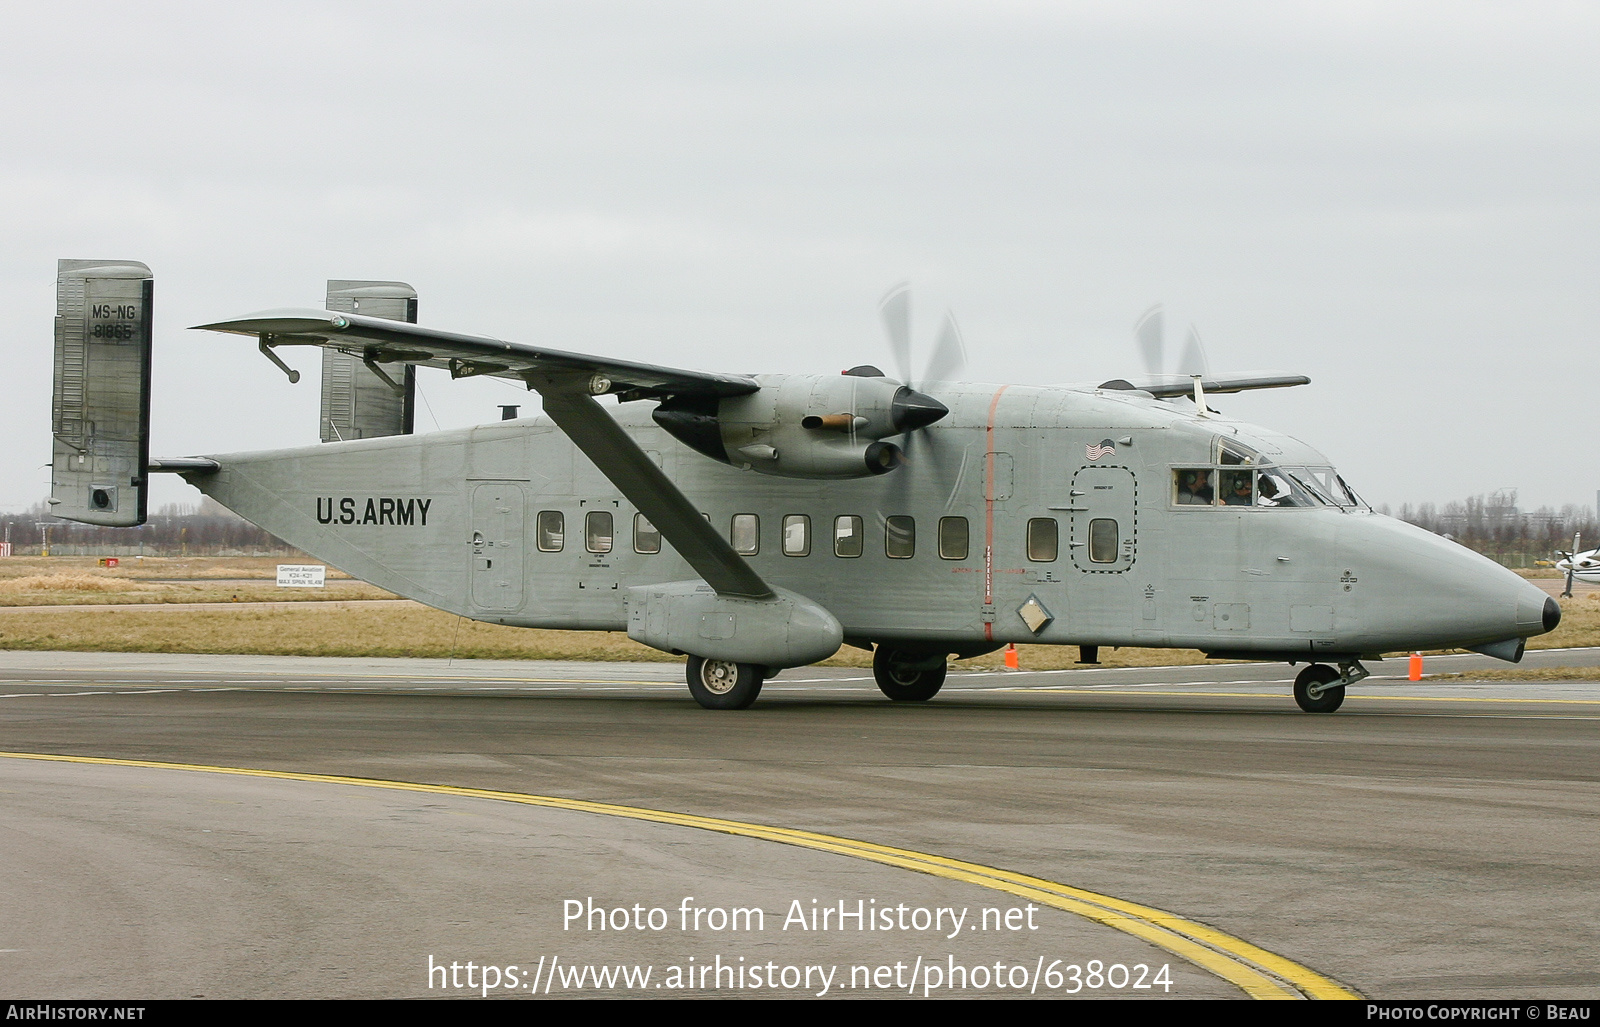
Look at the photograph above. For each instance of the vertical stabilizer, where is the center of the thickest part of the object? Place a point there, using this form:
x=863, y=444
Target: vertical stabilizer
x=100, y=409
x=358, y=402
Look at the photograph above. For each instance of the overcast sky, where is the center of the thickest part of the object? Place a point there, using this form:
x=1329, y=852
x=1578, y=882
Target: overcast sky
x=1401, y=200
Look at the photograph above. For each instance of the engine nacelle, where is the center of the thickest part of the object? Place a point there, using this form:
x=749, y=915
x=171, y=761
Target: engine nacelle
x=804, y=426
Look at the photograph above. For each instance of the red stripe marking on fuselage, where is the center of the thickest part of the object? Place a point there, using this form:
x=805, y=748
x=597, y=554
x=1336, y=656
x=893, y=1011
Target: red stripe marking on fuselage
x=988, y=513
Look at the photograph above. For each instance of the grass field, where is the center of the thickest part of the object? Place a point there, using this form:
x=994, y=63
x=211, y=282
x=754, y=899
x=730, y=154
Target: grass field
x=78, y=580
x=127, y=624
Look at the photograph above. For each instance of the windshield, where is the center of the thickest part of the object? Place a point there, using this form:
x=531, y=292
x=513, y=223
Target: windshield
x=1276, y=488
x=1271, y=486
x=1325, y=484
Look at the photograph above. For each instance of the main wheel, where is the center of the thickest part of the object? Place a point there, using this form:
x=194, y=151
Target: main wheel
x=1311, y=689
x=905, y=677
x=723, y=685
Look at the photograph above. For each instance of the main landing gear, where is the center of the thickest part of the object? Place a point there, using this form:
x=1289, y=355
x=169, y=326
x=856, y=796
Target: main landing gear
x=908, y=677
x=1320, y=689
x=722, y=684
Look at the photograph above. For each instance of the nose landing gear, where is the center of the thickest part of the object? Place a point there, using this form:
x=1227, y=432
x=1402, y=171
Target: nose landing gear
x=1315, y=691
x=1320, y=689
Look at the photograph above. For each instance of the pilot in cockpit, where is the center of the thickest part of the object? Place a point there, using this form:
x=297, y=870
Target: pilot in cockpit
x=1194, y=488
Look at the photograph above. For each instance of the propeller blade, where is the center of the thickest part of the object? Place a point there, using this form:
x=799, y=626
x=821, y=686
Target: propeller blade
x=1194, y=355
x=1150, y=330
x=895, y=309
x=949, y=354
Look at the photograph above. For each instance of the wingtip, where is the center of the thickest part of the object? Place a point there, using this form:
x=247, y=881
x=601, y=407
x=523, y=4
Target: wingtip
x=281, y=321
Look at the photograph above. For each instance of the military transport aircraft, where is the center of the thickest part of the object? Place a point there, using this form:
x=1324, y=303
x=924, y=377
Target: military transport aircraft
x=753, y=522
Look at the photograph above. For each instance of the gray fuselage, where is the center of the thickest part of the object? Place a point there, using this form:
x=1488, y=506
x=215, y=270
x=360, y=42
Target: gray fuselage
x=463, y=520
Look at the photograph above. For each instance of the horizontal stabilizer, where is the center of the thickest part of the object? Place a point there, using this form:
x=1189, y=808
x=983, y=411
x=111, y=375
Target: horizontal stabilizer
x=185, y=465
x=1163, y=386
x=379, y=341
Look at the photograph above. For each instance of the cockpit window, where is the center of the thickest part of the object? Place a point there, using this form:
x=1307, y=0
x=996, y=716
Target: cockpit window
x=1192, y=486
x=1270, y=486
x=1230, y=451
x=1326, y=485
x=1275, y=488
x=1234, y=487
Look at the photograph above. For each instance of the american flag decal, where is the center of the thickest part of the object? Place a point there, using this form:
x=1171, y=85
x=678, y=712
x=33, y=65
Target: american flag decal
x=1106, y=448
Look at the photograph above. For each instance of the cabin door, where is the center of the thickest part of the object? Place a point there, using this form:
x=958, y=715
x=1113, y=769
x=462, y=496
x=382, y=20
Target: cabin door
x=1104, y=519
x=496, y=546
x=1103, y=540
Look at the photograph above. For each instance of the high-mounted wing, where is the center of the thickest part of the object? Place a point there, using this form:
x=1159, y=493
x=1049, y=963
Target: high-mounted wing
x=1164, y=386
x=568, y=383
x=380, y=341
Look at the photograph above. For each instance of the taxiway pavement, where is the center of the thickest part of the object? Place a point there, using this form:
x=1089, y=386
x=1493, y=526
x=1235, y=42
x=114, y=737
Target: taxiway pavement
x=1429, y=840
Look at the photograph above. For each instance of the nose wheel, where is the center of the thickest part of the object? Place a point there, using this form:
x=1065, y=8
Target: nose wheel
x=1319, y=689
x=722, y=684
x=907, y=677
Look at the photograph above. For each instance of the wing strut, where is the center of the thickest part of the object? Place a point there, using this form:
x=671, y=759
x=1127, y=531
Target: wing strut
x=627, y=466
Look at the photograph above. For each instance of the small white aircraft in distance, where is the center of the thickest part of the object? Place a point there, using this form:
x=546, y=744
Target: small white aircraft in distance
x=752, y=522
x=1584, y=566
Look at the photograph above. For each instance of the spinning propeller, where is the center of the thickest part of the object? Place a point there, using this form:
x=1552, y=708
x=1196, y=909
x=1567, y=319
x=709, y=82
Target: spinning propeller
x=1151, y=333
x=947, y=360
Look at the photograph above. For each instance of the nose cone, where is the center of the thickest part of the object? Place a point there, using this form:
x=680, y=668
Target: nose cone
x=1552, y=614
x=1436, y=594
x=1537, y=613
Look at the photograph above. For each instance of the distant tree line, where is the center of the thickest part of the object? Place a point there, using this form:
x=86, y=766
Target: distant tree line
x=1496, y=527
x=206, y=529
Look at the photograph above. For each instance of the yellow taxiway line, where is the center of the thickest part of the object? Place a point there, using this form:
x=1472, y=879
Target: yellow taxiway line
x=1259, y=973
x=1273, y=695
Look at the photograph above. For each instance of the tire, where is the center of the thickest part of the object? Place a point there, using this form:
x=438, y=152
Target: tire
x=722, y=685
x=1328, y=699
x=901, y=679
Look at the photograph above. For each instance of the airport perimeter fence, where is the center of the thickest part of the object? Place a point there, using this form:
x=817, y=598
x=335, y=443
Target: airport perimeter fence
x=1523, y=559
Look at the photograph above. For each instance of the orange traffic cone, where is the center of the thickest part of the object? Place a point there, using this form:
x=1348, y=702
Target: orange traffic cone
x=1011, y=657
x=1416, y=666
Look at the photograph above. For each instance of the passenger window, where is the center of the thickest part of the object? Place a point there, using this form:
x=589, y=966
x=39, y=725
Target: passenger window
x=848, y=536
x=1042, y=539
x=796, y=535
x=900, y=538
x=1103, y=540
x=953, y=538
x=1191, y=486
x=646, y=539
x=551, y=531
x=597, y=531
x=745, y=534
x=1235, y=487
